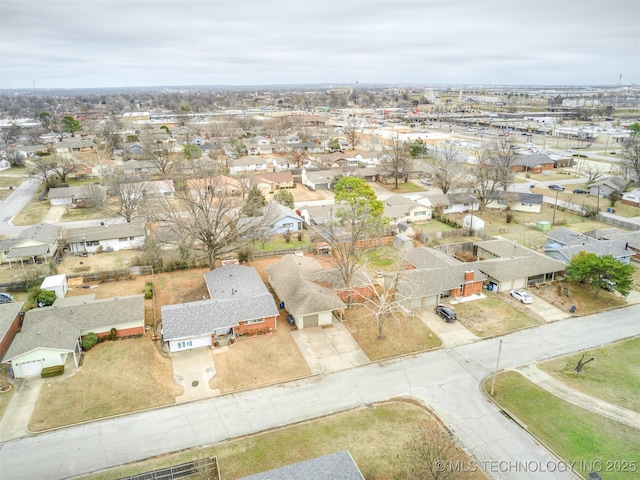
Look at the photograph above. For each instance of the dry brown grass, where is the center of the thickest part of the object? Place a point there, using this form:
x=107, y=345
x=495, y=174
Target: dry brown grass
x=492, y=316
x=579, y=295
x=402, y=336
x=116, y=377
x=257, y=361
x=374, y=436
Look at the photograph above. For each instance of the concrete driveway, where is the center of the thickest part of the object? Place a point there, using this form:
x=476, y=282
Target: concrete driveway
x=451, y=334
x=329, y=349
x=192, y=369
x=548, y=312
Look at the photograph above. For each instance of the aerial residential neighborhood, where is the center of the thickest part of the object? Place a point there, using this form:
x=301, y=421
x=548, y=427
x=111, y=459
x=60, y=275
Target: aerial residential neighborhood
x=219, y=259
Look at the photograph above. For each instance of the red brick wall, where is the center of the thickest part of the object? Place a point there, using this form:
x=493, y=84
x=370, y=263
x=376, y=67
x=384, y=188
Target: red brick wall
x=8, y=338
x=125, y=332
x=269, y=323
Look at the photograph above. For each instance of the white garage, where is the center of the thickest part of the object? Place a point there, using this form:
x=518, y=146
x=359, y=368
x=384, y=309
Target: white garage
x=28, y=369
x=189, y=343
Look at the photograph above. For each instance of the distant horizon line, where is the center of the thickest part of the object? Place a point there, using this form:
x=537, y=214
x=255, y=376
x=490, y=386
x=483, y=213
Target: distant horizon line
x=317, y=85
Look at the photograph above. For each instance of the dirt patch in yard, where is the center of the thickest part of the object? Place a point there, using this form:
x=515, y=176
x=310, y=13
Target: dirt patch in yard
x=260, y=360
x=116, y=377
x=75, y=264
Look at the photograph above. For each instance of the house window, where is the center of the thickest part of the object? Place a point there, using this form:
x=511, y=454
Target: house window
x=287, y=225
x=92, y=243
x=255, y=320
x=124, y=239
x=132, y=238
x=420, y=213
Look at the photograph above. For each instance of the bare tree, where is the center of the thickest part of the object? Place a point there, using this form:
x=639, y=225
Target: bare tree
x=157, y=152
x=593, y=172
x=396, y=161
x=53, y=169
x=431, y=453
x=448, y=170
x=95, y=195
x=501, y=158
x=483, y=178
x=129, y=196
x=631, y=155
x=210, y=219
x=381, y=303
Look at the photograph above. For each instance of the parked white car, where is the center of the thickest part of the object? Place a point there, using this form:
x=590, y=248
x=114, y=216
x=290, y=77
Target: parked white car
x=521, y=296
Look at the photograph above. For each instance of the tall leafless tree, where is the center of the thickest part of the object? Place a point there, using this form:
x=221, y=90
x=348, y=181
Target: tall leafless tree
x=396, y=161
x=448, y=172
x=500, y=160
x=211, y=219
x=631, y=155
x=157, y=153
x=593, y=172
x=129, y=195
x=431, y=454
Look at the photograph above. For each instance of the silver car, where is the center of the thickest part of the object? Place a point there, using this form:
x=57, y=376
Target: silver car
x=521, y=296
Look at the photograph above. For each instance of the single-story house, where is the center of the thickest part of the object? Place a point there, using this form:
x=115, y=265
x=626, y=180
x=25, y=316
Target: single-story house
x=50, y=335
x=616, y=248
x=36, y=244
x=429, y=276
x=460, y=202
x=269, y=182
x=239, y=304
x=249, y=163
x=220, y=184
x=509, y=265
x=516, y=201
x=402, y=209
x=605, y=186
x=277, y=220
x=630, y=239
x=318, y=214
x=9, y=324
x=319, y=179
x=631, y=198
x=151, y=188
x=73, y=145
x=105, y=238
x=563, y=237
x=533, y=163
x=310, y=304
x=81, y=196
x=140, y=167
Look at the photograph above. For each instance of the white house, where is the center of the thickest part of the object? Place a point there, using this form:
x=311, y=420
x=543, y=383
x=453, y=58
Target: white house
x=632, y=197
x=402, y=209
x=106, y=238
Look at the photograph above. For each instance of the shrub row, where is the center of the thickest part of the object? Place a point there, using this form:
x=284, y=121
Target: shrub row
x=52, y=371
x=148, y=290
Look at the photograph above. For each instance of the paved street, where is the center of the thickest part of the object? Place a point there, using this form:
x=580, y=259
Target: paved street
x=11, y=205
x=447, y=380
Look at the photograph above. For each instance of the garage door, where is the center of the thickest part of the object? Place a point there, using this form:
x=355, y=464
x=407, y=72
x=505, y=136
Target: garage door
x=29, y=369
x=310, y=321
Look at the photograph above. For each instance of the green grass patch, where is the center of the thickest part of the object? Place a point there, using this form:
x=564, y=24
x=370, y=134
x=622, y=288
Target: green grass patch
x=614, y=376
x=491, y=316
x=573, y=433
x=374, y=436
x=383, y=258
x=279, y=243
x=432, y=227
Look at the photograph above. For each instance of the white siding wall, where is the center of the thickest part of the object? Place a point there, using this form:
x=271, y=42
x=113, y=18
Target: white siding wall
x=48, y=358
x=189, y=343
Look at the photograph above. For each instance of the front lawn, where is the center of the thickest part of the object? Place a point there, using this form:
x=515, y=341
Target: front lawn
x=407, y=187
x=575, y=434
x=5, y=397
x=580, y=296
x=33, y=212
x=614, y=376
x=405, y=335
x=374, y=436
x=491, y=316
x=116, y=377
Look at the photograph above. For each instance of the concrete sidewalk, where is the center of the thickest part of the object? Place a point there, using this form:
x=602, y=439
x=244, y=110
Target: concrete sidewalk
x=593, y=404
x=16, y=418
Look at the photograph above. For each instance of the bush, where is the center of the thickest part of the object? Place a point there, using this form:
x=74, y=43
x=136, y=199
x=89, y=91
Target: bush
x=148, y=290
x=89, y=341
x=52, y=371
x=113, y=334
x=243, y=256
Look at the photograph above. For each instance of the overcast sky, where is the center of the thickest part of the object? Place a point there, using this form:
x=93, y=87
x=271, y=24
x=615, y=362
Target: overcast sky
x=110, y=43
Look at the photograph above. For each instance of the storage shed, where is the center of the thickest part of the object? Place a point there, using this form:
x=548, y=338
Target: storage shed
x=57, y=284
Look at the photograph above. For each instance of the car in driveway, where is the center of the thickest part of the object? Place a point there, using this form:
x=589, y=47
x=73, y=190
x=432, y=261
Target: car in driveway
x=521, y=296
x=446, y=313
x=558, y=188
x=580, y=191
x=5, y=298
x=426, y=181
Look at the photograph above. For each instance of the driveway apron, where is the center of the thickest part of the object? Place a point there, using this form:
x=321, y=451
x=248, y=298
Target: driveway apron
x=192, y=369
x=16, y=418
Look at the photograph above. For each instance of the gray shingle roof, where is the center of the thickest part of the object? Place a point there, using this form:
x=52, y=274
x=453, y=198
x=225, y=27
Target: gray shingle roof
x=615, y=248
x=505, y=269
x=8, y=313
x=565, y=236
x=47, y=332
x=398, y=206
x=335, y=466
x=237, y=294
x=423, y=257
x=504, y=248
x=42, y=232
x=301, y=295
x=94, y=314
x=105, y=232
x=423, y=282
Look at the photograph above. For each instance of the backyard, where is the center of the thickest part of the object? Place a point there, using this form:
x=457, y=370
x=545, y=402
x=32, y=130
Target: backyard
x=588, y=200
x=375, y=437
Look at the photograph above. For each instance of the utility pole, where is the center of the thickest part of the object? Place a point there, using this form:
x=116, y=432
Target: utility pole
x=553, y=221
x=495, y=371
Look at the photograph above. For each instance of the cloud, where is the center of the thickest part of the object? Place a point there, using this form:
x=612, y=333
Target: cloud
x=63, y=43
